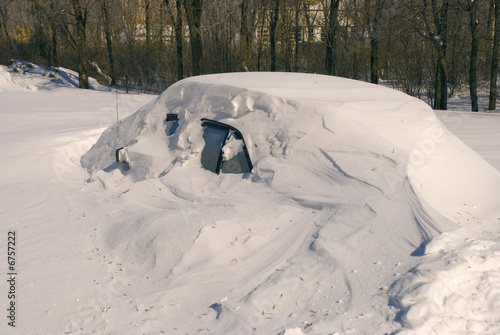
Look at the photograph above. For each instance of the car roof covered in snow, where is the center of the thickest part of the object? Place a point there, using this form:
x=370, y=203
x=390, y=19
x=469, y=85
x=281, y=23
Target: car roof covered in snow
x=266, y=107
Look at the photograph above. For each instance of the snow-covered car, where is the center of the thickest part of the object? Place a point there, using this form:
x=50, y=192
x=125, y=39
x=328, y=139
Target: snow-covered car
x=269, y=201
x=207, y=118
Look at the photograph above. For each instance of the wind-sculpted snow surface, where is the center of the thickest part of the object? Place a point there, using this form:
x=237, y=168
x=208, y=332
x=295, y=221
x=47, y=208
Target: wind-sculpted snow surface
x=362, y=213
x=349, y=181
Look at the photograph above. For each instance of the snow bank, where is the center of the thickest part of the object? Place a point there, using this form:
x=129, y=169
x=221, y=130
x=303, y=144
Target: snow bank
x=456, y=289
x=26, y=75
x=6, y=80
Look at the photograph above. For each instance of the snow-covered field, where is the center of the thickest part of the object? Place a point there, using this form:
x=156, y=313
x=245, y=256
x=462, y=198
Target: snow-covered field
x=378, y=221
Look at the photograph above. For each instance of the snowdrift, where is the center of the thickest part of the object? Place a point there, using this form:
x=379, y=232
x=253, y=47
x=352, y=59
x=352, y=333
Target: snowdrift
x=22, y=75
x=350, y=182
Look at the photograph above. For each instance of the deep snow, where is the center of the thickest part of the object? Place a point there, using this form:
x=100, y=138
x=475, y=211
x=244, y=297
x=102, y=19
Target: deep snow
x=366, y=216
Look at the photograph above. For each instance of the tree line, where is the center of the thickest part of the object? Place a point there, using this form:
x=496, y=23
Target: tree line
x=431, y=49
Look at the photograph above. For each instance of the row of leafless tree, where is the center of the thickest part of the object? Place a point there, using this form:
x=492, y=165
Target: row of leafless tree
x=428, y=48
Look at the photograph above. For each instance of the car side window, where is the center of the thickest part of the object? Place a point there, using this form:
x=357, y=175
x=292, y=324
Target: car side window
x=211, y=154
x=233, y=154
x=172, y=121
x=225, y=149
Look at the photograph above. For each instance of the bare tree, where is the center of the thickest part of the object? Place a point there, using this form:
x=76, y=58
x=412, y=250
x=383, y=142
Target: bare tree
x=81, y=14
x=296, y=33
x=273, y=23
x=421, y=45
x=39, y=33
x=178, y=32
x=374, y=41
x=108, y=35
x=55, y=23
x=148, y=24
x=331, y=29
x=430, y=20
x=245, y=37
x=194, y=9
x=471, y=7
x=4, y=4
x=494, y=58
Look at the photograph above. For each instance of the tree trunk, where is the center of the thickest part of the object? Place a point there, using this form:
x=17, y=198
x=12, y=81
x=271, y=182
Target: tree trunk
x=3, y=16
x=193, y=10
x=374, y=43
x=178, y=40
x=244, y=37
x=353, y=37
x=441, y=89
x=491, y=19
x=296, y=32
x=53, y=54
x=440, y=40
x=54, y=58
x=261, y=35
x=39, y=33
x=494, y=59
x=287, y=40
x=81, y=20
x=374, y=60
x=330, y=37
x=109, y=45
x=147, y=12
x=473, y=54
x=177, y=19
x=272, y=33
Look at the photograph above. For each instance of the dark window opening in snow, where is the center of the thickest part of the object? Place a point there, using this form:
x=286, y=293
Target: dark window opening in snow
x=225, y=149
x=212, y=152
x=234, y=158
x=121, y=156
x=172, y=121
x=172, y=117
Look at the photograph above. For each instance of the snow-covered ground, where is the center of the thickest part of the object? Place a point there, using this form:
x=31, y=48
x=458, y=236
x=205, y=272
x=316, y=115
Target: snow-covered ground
x=392, y=250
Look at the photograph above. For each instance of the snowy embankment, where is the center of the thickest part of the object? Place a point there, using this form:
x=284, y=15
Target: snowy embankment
x=457, y=288
x=363, y=214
